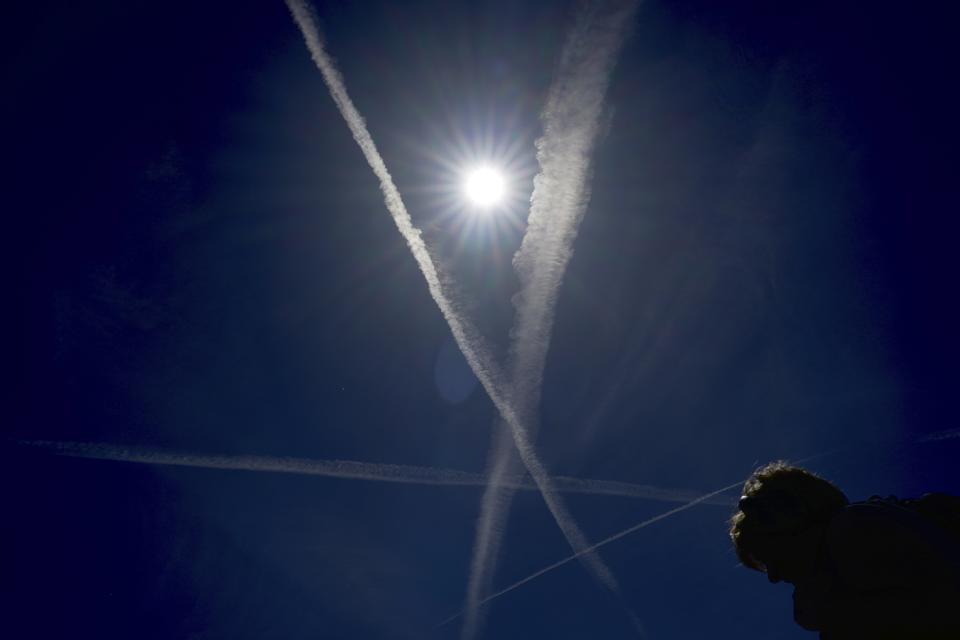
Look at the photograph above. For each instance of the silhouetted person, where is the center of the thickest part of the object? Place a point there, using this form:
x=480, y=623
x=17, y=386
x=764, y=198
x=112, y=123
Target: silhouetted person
x=880, y=569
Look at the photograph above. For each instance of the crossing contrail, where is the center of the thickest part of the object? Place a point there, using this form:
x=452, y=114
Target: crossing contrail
x=571, y=119
x=559, y=563
x=349, y=469
x=468, y=339
x=704, y=499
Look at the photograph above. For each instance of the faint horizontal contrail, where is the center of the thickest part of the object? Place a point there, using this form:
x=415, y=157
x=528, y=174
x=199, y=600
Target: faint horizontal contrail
x=349, y=469
x=559, y=563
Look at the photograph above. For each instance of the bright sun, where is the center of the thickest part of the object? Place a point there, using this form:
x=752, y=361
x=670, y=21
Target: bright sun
x=484, y=187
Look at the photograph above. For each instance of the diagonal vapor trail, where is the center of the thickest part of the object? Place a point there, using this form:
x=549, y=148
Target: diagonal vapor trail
x=468, y=339
x=348, y=469
x=571, y=124
x=594, y=547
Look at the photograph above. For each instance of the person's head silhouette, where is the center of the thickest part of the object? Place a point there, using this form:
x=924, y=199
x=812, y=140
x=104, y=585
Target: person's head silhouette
x=882, y=569
x=780, y=519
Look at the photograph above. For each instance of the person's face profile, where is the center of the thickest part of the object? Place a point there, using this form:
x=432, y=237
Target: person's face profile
x=785, y=557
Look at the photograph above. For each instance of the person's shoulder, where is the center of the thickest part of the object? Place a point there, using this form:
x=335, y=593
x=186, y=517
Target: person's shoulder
x=880, y=544
x=864, y=527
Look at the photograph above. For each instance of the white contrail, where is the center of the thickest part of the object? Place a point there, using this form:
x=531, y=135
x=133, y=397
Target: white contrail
x=938, y=436
x=349, y=469
x=467, y=338
x=491, y=525
x=702, y=499
x=571, y=122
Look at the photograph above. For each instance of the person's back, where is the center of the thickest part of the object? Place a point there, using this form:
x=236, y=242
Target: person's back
x=876, y=569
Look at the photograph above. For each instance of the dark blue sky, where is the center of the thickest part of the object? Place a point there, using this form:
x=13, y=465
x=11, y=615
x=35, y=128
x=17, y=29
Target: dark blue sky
x=202, y=261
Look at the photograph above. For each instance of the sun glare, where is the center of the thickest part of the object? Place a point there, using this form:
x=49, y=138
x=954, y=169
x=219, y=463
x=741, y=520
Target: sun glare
x=484, y=187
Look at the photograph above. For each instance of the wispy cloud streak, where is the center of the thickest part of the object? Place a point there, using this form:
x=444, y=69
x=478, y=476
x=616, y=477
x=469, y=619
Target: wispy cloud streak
x=559, y=563
x=939, y=436
x=349, y=469
x=571, y=119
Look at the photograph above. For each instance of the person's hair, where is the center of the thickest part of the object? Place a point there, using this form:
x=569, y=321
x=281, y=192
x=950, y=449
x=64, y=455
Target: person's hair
x=780, y=498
